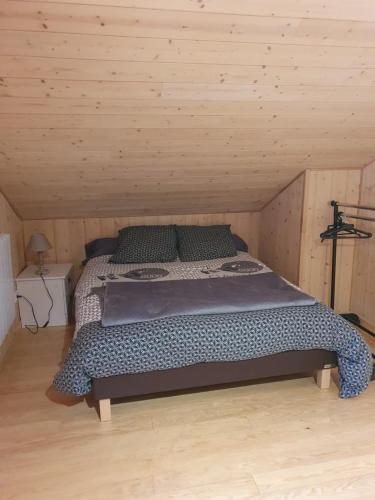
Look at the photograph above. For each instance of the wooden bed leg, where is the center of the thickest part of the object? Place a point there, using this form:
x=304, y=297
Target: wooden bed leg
x=105, y=410
x=323, y=378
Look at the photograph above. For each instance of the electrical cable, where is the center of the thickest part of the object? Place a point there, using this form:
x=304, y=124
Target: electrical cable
x=51, y=299
x=34, y=332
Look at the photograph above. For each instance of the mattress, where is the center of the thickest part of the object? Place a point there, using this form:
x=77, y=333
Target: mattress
x=175, y=342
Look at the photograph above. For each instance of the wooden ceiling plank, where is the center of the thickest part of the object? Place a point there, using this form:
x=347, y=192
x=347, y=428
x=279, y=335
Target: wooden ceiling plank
x=197, y=107
x=72, y=69
x=131, y=92
x=335, y=9
x=261, y=119
x=133, y=49
x=111, y=20
x=77, y=113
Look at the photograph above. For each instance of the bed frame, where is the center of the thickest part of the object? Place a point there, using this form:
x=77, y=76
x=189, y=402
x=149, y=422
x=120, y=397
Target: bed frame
x=210, y=374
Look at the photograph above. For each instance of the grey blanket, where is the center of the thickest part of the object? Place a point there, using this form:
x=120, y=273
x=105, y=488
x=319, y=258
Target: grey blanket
x=126, y=303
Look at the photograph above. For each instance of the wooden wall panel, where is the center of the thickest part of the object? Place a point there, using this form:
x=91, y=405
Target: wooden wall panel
x=68, y=236
x=315, y=265
x=280, y=230
x=112, y=89
x=363, y=290
x=10, y=223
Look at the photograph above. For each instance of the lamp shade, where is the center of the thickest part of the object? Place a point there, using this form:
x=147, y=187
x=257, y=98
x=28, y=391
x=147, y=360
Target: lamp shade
x=38, y=243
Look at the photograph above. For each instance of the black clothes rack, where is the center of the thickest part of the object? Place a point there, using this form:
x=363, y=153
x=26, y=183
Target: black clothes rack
x=343, y=230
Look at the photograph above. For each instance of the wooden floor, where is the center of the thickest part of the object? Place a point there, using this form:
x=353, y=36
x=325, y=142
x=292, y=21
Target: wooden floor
x=279, y=440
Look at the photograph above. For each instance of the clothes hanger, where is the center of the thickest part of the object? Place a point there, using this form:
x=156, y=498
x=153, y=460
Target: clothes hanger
x=343, y=230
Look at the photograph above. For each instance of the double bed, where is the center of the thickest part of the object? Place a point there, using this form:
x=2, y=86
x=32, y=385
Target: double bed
x=173, y=352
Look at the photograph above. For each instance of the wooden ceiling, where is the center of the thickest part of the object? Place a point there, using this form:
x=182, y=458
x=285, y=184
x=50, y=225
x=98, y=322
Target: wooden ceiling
x=120, y=107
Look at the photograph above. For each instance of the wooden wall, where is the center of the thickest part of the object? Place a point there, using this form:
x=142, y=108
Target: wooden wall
x=290, y=228
x=315, y=265
x=285, y=235
x=133, y=107
x=10, y=223
x=68, y=236
x=363, y=290
x=275, y=234
x=280, y=230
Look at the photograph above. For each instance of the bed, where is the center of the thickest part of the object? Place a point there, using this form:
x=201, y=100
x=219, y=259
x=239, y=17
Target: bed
x=190, y=351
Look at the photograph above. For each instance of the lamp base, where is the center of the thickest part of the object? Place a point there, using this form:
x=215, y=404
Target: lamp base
x=42, y=271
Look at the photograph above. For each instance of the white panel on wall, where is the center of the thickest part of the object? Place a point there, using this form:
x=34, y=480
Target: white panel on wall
x=7, y=299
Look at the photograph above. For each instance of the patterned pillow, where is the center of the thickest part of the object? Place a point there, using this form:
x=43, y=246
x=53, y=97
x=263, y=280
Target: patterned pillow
x=139, y=244
x=205, y=242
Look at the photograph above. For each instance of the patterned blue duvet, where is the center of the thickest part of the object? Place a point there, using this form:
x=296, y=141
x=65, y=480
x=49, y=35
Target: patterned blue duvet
x=186, y=340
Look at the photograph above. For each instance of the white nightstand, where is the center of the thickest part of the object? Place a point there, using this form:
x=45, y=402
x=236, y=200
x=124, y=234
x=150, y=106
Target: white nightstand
x=60, y=285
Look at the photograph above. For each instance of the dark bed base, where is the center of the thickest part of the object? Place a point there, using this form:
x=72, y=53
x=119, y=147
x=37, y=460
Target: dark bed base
x=211, y=374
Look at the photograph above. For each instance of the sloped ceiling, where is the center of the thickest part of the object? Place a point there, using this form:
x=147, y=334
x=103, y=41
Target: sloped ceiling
x=120, y=107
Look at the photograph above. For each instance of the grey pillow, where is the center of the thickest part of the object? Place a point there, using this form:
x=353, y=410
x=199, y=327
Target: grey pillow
x=139, y=244
x=205, y=242
x=240, y=244
x=100, y=246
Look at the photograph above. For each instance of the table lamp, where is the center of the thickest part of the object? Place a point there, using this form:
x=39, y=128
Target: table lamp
x=39, y=244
